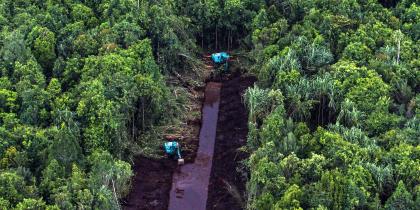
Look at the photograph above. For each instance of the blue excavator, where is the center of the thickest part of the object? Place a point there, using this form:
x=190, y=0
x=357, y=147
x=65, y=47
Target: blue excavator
x=173, y=149
x=220, y=59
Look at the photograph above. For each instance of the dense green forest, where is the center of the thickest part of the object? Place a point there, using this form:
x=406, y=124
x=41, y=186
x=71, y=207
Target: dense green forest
x=334, y=119
x=82, y=82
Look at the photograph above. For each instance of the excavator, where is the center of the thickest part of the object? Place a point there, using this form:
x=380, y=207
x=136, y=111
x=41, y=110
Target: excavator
x=173, y=149
x=219, y=59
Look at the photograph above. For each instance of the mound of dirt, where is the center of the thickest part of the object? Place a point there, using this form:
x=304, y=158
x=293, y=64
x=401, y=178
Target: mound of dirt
x=227, y=185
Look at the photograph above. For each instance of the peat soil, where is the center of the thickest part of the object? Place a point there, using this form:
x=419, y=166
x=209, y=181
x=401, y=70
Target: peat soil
x=152, y=182
x=152, y=179
x=227, y=184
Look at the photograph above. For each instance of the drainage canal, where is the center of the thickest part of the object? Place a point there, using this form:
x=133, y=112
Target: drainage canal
x=190, y=183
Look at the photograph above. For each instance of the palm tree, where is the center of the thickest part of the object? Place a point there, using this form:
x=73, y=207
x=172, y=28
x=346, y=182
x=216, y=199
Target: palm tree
x=261, y=102
x=299, y=98
x=312, y=55
x=324, y=90
x=277, y=64
x=381, y=175
x=256, y=100
x=353, y=135
x=349, y=115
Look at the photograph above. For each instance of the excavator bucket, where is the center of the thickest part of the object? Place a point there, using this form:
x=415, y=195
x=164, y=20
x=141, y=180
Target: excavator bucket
x=181, y=161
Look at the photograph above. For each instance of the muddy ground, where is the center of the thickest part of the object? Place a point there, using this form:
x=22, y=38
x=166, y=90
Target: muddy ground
x=227, y=185
x=153, y=177
x=151, y=184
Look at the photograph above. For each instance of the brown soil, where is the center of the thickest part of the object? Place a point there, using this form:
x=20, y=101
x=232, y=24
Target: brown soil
x=227, y=185
x=151, y=184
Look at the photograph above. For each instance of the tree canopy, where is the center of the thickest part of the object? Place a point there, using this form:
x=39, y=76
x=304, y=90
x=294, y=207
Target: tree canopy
x=345, y=136
x=334, y=118
x=82, y=84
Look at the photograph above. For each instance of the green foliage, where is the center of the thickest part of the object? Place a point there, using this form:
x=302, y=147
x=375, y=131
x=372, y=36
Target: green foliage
x=342, y=137
x=109, y=172
x=81, y=12
x=400, y=199
x=271, y=130
x=30, y=203
x=14, y=49
x=333, y=120
x=261, y=102
x=43, y=41
x=349, y=115
x=290, y=199
x=13, y=188
x=65, y=147
x=4, y=204
x=380, y=122
x=366, y=92
x=8, y=100
x=53, y=177
x=358, y=52
x=83, y=80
